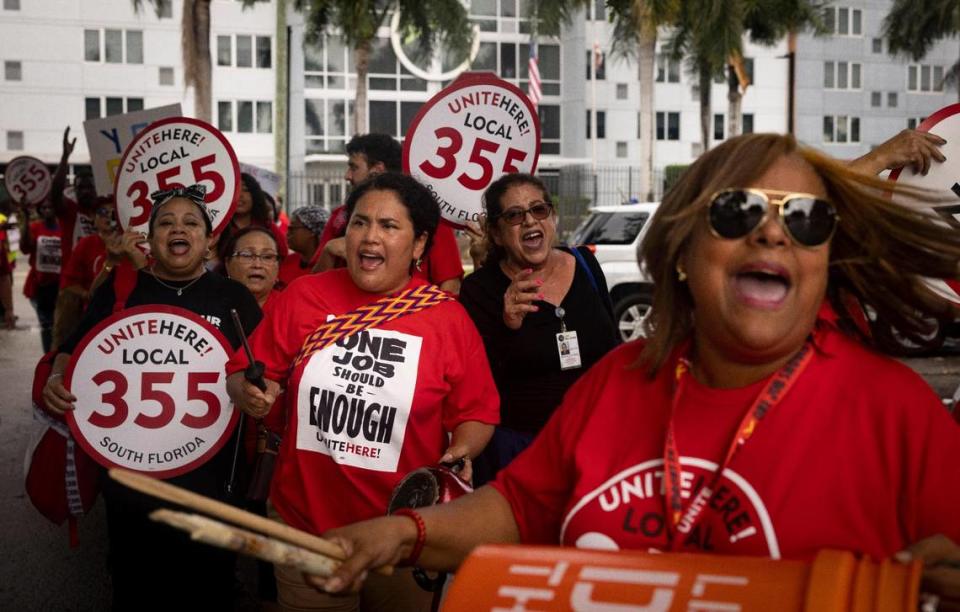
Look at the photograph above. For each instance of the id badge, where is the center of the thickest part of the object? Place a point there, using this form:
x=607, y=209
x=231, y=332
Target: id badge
x=569, y=350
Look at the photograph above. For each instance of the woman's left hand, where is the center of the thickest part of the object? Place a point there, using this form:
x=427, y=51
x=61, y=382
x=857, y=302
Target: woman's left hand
x=941, y=568
x=455, y=453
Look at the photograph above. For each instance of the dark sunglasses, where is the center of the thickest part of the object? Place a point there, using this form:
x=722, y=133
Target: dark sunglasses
x=808, y=220
x=537, y=210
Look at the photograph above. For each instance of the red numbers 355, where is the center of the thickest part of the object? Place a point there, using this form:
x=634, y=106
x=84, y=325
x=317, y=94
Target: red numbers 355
x=480, y=156
x=151, y=390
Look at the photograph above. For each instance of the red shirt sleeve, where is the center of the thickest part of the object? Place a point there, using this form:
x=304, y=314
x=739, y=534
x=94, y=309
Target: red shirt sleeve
x=538, y=484
x=473, y=394
x=334, y=228
x=443, y=260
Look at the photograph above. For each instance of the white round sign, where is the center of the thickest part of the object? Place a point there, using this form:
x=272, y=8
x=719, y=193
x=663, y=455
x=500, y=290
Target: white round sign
x=27, y=179
x=151, y=391
x=176, y=152
x=941, y=179
x=468, y=135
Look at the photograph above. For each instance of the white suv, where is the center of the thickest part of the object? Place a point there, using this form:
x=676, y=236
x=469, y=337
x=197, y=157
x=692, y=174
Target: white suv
x=614, y=233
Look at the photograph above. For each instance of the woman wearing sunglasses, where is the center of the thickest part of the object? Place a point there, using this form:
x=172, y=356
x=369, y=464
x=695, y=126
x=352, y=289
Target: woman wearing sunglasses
x=757, y=419
x=528, y=291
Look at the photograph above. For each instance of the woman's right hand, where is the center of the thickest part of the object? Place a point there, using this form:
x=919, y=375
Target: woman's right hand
x=518, y=298
x=249, y=398
x=368, y=545
x=56, y=395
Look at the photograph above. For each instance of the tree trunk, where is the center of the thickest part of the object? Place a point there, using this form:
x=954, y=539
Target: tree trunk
x=195, y=44
x=647, y=49
x=706, y=83
x=734, y=99
x=361, y=56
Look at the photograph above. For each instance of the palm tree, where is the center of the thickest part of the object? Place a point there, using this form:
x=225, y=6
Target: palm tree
x=432, y=22
x=911, y=28
x=195, y=47
x=635, y=26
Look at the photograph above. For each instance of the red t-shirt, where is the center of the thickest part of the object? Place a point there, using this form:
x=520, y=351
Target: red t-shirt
x=364, y=412
x=89, y=256
x=860, y=455
x=291, y=268
x=75, y=225
x=47, y=246
x=442, y=262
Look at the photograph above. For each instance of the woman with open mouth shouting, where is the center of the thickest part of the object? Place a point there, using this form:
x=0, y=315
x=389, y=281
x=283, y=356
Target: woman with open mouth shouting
x=757, y=419
x=384, y=374
x=152, y=567
x=528, y=292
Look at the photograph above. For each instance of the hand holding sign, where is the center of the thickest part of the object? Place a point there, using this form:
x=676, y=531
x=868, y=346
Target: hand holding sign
x=467, y=136
x=171, y=153
x=27, y=179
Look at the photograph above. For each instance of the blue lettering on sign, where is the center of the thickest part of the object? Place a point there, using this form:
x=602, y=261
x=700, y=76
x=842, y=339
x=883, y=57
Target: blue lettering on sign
x=114, y=138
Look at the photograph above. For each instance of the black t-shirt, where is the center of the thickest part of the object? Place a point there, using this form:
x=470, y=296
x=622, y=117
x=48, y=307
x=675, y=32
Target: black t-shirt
x=212, y=296
x=525, y=363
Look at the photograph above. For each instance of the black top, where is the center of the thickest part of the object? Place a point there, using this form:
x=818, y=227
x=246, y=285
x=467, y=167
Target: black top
x=525, y=362
x=211, y=297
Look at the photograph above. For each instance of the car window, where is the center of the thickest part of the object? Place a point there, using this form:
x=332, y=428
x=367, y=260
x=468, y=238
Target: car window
x=610, y=228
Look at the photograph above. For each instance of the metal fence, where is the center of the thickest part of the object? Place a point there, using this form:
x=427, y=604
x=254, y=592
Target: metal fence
x=575, y=189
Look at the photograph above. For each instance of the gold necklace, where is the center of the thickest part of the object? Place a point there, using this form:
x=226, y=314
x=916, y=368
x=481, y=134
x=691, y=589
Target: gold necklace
x=179, y=290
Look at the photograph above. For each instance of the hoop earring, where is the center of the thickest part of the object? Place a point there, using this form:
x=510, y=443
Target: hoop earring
x=419, y=264
x=681, y=274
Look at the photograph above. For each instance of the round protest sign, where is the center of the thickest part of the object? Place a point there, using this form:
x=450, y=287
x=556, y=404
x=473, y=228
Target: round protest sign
x=176, y=152
x=151, y=392
x=467, y=136
x=941, y=180
x=27, y=179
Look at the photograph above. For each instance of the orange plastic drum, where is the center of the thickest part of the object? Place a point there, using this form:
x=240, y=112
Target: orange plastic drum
x=546, y=578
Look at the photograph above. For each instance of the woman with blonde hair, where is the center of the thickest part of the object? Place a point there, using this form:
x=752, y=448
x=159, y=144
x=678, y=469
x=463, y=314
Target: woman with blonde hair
x=757, y=420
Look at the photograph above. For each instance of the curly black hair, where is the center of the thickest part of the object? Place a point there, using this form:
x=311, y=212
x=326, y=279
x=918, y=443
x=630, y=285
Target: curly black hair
x=419, y=201
x=378, y=148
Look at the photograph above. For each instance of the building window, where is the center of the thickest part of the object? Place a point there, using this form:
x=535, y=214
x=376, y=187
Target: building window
x=224, y=51
x=12, y=5
x=601, y=125
x=134, y=47
x=621, y=91
x=91, y=45
x=251, y=116
x=841, y=129
x=165, y=9
x=621, y=149
x=878, y=45
x=14, y=140
x=747, y=123
x=113, y=46
x=748, y=69
x=841, y=75
x=12, y=71
x=668, y=126
x=264, y=58
x=595, y=60
x=166, y=75
x=549, y=129
x=110, y=106
x=921, y=78
x=843, y=21
x=718, y=125
x=914, y=122
x=225, y=116
x=92, y=108
x=875, y=99
x=668, y=69
x=599, y=12
x=244, y=52
x=892, y=99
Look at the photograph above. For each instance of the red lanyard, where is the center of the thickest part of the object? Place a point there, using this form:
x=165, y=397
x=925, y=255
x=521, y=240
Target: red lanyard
x=682, y=521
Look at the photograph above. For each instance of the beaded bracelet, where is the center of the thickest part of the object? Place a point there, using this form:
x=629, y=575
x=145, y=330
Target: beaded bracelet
x=421, y=534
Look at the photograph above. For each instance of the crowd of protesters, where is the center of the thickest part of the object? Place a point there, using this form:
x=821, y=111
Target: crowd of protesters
x=515, y=374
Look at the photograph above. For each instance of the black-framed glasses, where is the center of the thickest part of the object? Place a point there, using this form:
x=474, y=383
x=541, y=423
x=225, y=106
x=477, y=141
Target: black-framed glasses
x=807, y=219
x=105, y=211
x=249, y=257
x=538, y=210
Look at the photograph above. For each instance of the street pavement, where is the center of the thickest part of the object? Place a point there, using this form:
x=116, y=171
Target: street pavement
x=38, y=569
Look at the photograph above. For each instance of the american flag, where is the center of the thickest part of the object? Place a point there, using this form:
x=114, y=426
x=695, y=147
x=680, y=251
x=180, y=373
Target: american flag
x=533, y=89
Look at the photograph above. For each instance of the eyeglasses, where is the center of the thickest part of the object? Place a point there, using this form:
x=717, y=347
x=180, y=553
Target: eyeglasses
x=104, y=211
x=248, y=258
x=537, y=210
x=808, y=220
